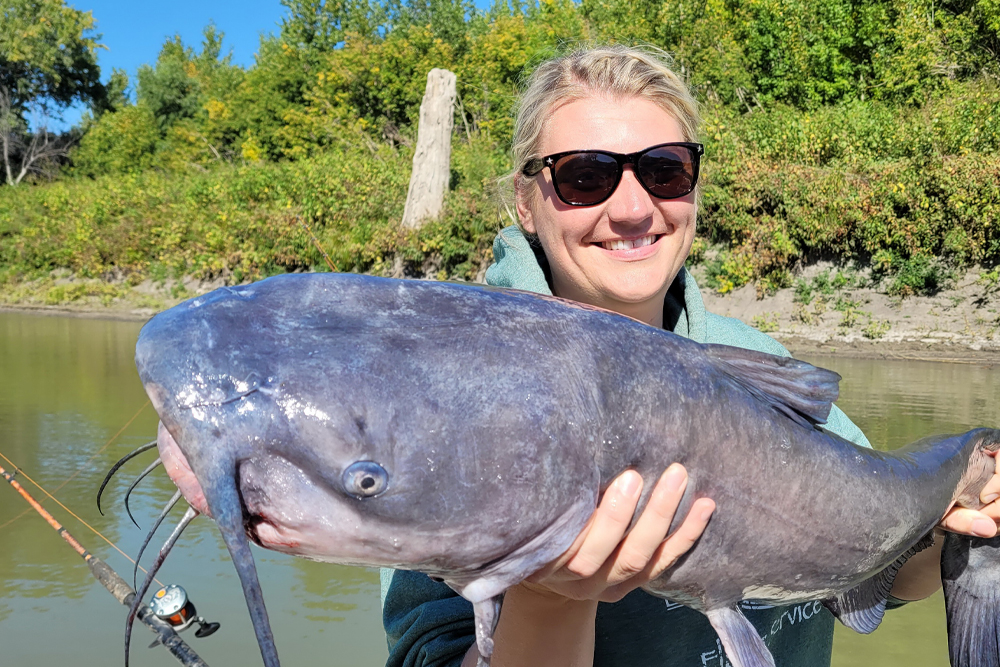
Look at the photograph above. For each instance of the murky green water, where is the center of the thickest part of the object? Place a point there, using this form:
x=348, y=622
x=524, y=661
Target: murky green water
x=67, y=386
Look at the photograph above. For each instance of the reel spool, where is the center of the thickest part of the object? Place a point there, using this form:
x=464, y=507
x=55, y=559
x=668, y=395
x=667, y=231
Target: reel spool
x=171, y=604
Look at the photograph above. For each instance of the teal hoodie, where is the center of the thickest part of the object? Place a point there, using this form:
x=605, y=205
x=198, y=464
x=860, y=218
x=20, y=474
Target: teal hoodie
x=427, y=624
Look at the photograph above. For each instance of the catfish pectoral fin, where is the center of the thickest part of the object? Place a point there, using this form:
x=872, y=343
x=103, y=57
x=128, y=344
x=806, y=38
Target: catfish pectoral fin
x=743, y=645
x=970, y=572
x=862, y=607
x=487, y=616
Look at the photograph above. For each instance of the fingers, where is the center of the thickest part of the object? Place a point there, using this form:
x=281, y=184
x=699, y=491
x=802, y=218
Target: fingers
x=608, y=526
x=668, y=551
x=683, y=539
x=607, y=560
x=636, y=550
x=986, y=521
x=969, y=522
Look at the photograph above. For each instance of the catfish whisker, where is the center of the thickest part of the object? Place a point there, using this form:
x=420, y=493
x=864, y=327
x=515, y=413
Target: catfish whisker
x=163, y=515
x=151, y=573
x=115, y=467
x=150, y=468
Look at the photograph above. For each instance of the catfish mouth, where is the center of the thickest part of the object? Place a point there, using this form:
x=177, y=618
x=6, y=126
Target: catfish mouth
x=264, y=527
x=264, y=533
x=179, y=471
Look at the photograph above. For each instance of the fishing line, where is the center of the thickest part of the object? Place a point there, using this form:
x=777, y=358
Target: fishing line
x=20, y=472
x=112, y=582
x=85, y=463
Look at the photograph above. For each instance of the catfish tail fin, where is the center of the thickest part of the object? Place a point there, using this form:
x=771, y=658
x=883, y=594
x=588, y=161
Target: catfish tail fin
x=970, y=571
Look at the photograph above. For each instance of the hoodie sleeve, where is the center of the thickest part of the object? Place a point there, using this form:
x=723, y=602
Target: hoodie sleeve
x=426, y=623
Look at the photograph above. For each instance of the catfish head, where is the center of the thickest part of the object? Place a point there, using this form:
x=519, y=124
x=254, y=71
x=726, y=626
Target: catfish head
x=333, y=420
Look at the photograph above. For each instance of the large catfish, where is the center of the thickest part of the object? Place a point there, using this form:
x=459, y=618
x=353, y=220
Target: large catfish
x=469, y=432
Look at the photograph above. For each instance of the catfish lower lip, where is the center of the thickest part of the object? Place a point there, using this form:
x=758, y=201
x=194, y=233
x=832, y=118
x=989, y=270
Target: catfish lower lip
x=495, y=417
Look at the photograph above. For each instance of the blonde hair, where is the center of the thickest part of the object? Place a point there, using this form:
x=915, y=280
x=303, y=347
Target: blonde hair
x=617, y=71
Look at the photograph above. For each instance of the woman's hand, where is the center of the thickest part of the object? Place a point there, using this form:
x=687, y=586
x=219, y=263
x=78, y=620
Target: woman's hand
x=982, y=523
x=549, y=619
x=604, y=563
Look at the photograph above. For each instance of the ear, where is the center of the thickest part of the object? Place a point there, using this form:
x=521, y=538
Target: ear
x=522, y=197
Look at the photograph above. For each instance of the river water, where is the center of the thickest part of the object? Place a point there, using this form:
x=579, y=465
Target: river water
x=68, y=387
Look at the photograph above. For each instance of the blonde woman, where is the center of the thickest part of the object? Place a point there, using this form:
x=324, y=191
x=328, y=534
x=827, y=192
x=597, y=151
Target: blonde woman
x=607, y=161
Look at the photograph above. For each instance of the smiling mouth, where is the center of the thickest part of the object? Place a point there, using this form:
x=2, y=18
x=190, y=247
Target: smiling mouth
x=629, y=244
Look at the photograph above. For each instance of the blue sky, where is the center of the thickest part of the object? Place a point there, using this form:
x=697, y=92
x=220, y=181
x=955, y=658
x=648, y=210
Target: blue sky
x=134, y=30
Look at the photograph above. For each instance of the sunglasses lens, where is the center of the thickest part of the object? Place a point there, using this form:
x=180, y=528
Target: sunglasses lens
x=586, y=178
x=669, y=171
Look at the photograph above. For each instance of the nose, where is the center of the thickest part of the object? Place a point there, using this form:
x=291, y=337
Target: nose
x=630, y=203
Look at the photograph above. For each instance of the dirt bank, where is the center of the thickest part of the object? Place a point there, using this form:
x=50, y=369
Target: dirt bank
x=824, y=314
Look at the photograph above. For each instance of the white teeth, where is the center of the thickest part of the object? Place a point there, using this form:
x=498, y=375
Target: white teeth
x=622, y=244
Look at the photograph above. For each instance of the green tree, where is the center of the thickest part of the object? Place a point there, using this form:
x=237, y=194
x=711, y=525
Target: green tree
x=189, y=95
x=320, y=26
x=182, y=81
x=47, y=55
x=47, y=61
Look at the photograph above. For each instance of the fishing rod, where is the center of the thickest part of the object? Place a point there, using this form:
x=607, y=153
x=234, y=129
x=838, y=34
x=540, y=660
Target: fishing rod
x=112, y=581
x=329, y=262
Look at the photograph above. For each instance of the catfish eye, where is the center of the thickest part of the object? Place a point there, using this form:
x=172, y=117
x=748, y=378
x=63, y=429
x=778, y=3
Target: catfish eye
x=365, y=479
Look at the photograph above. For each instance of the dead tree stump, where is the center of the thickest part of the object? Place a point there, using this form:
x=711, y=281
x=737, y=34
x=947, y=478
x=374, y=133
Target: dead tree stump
x=432, y=159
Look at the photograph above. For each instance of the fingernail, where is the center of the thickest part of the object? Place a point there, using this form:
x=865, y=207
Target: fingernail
x=984, y=528
x=628, y=484
x=675, y=477
x=706, y=514
x=990, y=498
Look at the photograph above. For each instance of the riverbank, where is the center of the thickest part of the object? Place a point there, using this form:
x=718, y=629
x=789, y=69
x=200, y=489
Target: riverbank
x=826, y=312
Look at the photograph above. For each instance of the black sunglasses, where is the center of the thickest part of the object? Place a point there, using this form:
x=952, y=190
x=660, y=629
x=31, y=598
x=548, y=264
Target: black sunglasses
x=587, y=178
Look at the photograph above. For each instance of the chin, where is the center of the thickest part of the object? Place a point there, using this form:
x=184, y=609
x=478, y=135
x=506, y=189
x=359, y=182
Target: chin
x=639, y=287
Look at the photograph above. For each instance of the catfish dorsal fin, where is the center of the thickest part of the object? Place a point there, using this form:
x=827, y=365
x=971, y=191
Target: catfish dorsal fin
x=861, y=608
x=801, y=391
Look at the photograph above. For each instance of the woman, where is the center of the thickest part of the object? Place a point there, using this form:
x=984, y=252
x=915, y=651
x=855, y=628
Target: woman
x=606, y=191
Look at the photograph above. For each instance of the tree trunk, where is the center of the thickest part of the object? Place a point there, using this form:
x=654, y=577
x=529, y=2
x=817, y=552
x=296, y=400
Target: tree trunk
x=432, y=159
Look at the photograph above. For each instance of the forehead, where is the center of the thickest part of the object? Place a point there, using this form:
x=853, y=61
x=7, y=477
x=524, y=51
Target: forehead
x=598, y=122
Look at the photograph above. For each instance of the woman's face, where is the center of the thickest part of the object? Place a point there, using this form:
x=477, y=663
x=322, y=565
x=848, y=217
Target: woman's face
x=584, y=246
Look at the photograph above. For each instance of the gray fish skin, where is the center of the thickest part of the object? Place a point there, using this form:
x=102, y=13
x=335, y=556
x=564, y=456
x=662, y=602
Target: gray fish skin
x=498, y=418
x=971, y=577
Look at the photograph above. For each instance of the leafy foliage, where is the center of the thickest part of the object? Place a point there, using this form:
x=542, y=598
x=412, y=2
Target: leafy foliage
x=47, y=54
x=833, y=128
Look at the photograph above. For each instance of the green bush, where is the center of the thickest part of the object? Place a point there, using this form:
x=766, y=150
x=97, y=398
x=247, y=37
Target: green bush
x=918, y=274
x=121, y=142
x=865, y=132
x=242, y=222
